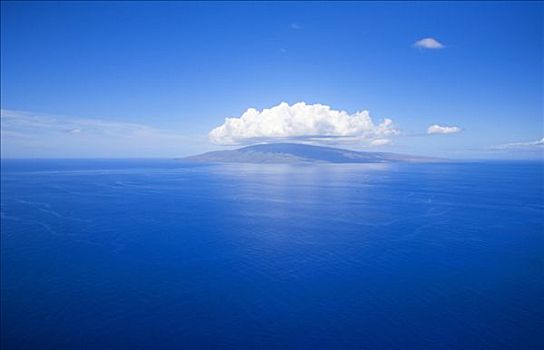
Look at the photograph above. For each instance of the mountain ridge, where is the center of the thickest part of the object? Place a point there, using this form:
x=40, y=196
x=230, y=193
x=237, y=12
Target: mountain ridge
x=302, y=153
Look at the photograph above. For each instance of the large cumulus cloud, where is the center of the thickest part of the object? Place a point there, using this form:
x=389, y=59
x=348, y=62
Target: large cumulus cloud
x=315, y=122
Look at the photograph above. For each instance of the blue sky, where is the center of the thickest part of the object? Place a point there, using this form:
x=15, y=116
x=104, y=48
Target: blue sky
x=131, y=79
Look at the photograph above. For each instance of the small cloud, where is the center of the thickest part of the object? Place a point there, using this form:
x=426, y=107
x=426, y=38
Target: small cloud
x=521, y=145
x=316, y=122
x=73, y=131
x=380, y=142
x=437, y=129
x=296, y=26
x=429, y=43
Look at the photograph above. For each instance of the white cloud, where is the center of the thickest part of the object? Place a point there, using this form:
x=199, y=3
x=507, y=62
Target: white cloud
x=296, y=26
x=521, y=145
x=314, y=122
x=380, y=142
x=41, y=124
x=437, y=129
x=27, y=134
x=429, y=43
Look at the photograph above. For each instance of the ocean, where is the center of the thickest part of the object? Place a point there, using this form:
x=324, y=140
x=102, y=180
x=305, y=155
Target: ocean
x=161, y=254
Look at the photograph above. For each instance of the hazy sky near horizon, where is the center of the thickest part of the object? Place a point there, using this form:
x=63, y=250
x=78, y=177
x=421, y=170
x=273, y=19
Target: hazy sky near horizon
x=153, y=79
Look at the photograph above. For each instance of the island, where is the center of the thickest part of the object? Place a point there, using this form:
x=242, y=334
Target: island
x=302, y=153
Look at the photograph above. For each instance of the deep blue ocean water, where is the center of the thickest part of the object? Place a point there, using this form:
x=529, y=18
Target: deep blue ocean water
x=149, y=254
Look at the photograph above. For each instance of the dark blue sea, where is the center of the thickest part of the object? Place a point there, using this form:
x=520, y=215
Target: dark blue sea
x=159, y=254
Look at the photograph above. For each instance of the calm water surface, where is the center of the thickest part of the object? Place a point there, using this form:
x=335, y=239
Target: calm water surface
x=136, y=254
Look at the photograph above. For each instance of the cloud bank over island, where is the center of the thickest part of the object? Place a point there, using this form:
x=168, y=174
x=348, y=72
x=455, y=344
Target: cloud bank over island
x=301, y=121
